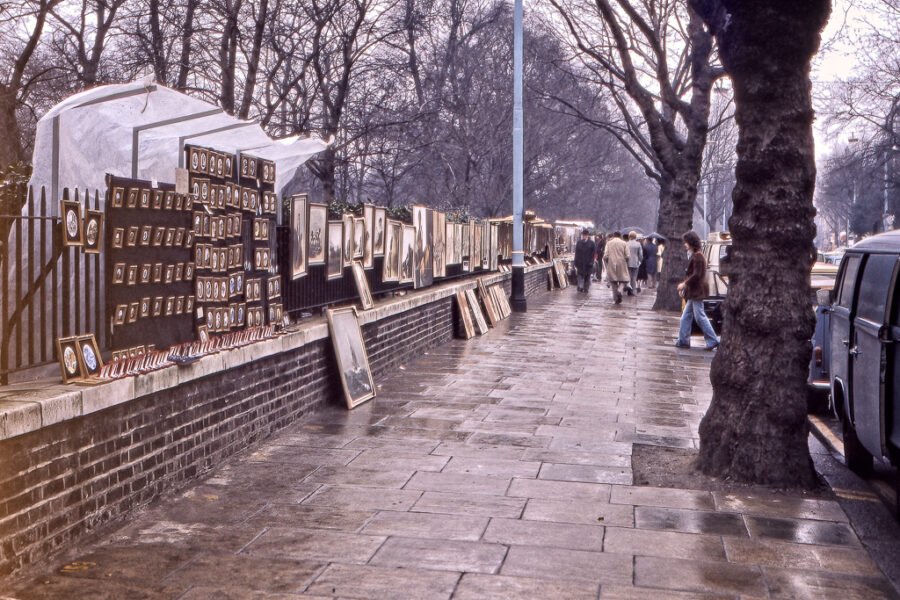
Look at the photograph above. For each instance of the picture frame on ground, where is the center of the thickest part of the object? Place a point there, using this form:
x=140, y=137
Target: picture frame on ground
x=362, y=285
x=93, y=231
x=379, y=232
x=89, y=355
x=72, y=230
x=335, y=267
x=298, y=235
x=490, y=306
x=369, y=240
x=480, y=321
x=390, y=270
x=317, y=231
x=502, y=301
x=351, y=355
x=462, y=303
x=347, y=219
x=67, y=354
x=407, y=254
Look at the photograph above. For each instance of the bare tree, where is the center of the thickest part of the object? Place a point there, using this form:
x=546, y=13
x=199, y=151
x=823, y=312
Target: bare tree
x=655, y=61
x=81, y=35
x=755, y=428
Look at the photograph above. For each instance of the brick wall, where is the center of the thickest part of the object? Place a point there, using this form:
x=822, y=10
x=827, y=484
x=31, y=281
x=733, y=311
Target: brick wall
x=62, y=482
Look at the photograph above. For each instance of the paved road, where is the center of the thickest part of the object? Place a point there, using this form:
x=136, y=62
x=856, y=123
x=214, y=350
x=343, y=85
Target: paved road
x=494, y=468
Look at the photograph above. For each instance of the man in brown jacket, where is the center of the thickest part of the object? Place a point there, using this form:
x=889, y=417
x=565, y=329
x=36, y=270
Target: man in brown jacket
x=694, y=289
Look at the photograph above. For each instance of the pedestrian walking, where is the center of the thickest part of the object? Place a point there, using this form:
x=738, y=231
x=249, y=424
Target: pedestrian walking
x=694, y=289
x=635, y=254
x=585, y=250
x=650, y=262
x=615, y=260
x=599, y=242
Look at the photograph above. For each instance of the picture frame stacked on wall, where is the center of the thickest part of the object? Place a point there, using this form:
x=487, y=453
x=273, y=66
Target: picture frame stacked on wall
x=72, y=224
x=407, y=254
x=490, y=306
x=334, y=268
x=350, y=353
x=468, y=327
x=480, y=321
x=369, y=239
x=299, y=240
x=347, y=219
x=93, y=231
x=393, y=239
x=379, y=231
x=317, y=234
x=362, y=285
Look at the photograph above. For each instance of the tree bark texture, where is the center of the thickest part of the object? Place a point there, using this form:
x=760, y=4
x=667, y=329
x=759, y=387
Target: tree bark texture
x=11, y=150
x=676, y=207
x=755, y=429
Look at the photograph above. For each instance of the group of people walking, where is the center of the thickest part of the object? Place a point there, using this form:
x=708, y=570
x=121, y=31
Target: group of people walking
x=629, y=264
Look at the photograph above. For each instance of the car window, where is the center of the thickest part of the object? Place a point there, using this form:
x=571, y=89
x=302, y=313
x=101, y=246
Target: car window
x=874, y=286
x=848, y=282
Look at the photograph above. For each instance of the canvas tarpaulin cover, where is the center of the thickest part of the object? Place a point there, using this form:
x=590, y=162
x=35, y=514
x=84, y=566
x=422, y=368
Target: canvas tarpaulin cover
x=139, y=130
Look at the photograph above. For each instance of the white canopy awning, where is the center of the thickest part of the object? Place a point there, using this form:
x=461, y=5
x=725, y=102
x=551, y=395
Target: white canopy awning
x=139, y=130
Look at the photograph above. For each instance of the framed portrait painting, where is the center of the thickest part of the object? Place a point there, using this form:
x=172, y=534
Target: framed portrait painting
x=93, y=231
x=393, y=237
x=335, y=267
x=347, y=220
x=359, y=237
x=407, y=254
x=369, y=241
x=298, y=235
x=73, y=232
x=379, y=232
x=350, y=352
x=317, y=227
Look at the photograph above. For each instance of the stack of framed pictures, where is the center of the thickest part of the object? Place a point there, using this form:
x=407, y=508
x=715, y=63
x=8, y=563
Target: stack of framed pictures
x=471, y=318
x=150, y=267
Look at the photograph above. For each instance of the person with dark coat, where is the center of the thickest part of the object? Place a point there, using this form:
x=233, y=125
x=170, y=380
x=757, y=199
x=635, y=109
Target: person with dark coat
x=694, y=289
x=584, y=260
x=650, y=251
x=600, y=243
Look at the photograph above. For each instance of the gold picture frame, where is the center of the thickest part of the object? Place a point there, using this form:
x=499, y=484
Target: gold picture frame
x=350, y=353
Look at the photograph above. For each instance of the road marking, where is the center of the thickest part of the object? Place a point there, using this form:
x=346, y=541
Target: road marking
x=823, y=429
x=856, y=495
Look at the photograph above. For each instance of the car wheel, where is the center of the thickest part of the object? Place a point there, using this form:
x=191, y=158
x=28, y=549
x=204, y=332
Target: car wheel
x=859, y=460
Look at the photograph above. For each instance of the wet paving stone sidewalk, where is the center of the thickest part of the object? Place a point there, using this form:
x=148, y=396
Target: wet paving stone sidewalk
x=498, y=467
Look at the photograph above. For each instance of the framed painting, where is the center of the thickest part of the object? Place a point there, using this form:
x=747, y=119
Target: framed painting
x=350, y=352
x=298, y=235
x=448, y=243
x=89, y=354
x=369, y=241
x=493, y=248
x=467, y=238
x=379, y=231
x=348, y=238
x=67, y=353
x=424, y=263
x=393, y=234
x=359, y=237
x=335, y=267
x=317, y=227
x=407, y=254
x=439, y=220
x=73, y=232
x=480, y=321
x=490, y=308
x=468, y=327
x=93, y=231
x=362, y=285
x=458, y=241
x=475, y=259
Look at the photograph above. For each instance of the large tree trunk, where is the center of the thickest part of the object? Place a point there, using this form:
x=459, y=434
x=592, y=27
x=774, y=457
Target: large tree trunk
x=755, y=429
x=11, y=150
x=676, y=208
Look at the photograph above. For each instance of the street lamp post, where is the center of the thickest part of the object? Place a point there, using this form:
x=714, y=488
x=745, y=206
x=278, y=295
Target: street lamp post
x=517, y=298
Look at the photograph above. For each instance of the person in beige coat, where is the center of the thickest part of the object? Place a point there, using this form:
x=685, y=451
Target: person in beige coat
x=615, y=259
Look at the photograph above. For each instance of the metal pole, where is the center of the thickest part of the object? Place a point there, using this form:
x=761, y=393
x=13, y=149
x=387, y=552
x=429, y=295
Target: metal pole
x=517, y=298
x=705, y=215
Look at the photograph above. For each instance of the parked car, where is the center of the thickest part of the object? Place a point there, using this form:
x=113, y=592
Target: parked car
x=822, y=276
x=865, y=362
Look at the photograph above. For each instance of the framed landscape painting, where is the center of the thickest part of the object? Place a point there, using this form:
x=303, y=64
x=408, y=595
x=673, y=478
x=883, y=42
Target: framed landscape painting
x=407, y=254
x=350, y=352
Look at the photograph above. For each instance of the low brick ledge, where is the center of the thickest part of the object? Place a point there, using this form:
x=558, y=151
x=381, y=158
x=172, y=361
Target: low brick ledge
x=32, y=409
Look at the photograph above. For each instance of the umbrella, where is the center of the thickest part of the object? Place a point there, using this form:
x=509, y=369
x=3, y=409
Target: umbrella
x=656, y=236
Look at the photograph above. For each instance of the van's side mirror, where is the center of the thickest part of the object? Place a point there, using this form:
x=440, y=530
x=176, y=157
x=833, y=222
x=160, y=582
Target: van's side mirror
x=824, y=297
